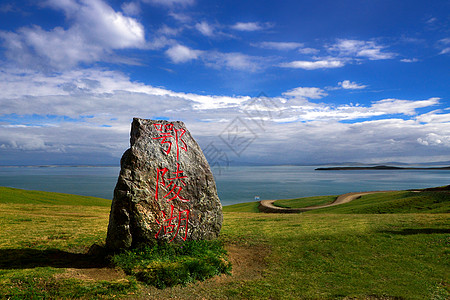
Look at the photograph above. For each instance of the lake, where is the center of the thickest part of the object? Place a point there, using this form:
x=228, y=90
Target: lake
x=234, y=184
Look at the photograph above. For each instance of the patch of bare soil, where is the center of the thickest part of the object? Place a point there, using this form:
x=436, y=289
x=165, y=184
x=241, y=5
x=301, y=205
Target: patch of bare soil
x=248, y=264
x=92, y=274
x=248, y=261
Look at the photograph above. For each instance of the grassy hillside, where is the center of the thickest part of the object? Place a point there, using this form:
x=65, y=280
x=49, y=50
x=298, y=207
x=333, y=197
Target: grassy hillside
x=43, y=240
x=329, y=255
x=17, y=196
x=394, y=202
x=436, y=200
x=242, y=207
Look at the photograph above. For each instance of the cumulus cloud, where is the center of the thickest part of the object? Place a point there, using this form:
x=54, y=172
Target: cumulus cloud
x=169, y=31
x=279, y=45
x=306, y=93
x=205, y=28
x=444, y=44
x=406, y=107
x=96, y=22
x=251, y=26
x=434, y=139
x=182, y=54
x=342, y=52
x=96, y=29
x=218, y=60
x=26, y=141
x=171, y=2
x=308, y=51
x=434, y=117
x=313, y=65
x=360, y=49
x=349, y=85
x=409, y=60
x=131, y=8
x=82, y=106
x=233, y=60
x=180, y=17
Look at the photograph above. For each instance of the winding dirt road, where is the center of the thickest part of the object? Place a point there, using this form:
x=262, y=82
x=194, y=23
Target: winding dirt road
x=268, y=207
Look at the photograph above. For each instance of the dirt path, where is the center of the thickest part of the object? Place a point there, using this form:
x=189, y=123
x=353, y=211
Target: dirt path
x=268, y=207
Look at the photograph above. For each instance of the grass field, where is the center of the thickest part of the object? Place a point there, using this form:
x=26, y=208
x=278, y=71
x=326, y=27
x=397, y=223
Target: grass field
x=384, y=246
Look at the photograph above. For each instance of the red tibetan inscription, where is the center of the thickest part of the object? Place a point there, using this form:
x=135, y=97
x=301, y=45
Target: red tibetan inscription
x=171, y=186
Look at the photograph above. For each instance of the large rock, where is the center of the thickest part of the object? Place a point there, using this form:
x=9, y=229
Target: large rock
x=165, y=190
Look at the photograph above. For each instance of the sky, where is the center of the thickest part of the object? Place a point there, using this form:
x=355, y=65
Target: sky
x=255, y=82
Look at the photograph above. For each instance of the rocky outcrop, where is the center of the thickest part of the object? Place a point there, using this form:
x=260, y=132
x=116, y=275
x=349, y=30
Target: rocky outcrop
x=165, y=190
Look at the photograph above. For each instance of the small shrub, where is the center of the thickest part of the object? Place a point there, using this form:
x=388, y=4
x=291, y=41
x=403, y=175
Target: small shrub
x=164, y=265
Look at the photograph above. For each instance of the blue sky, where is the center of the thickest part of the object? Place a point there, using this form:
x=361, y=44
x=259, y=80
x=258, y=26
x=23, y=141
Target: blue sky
x=254, y=81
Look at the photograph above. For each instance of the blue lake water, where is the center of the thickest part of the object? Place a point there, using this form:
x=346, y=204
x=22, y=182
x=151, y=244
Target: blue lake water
x=234, y=184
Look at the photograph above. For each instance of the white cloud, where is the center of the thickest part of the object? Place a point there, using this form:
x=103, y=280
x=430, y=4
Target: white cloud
x=308, y=51
x=56, y=93
x=431, y=20
x=24, y=142
x=180, y=17
x=166, y=30
x=218, y=60
x=171, y=2
x=349, y=85
x=181, y=54
x=406, y=107
x=251, y=26
x=131, y=8
x=98, y=23
x=444, y=43
x=84, y=100
x=409, y=60
x=96, y=29
x=360, y=49
x=279, y=45
x=344, y=51
x=434, y=139
x=205, y=28
x=306, y=93
x=313, y=65
x=434, y=117
x=234, y=60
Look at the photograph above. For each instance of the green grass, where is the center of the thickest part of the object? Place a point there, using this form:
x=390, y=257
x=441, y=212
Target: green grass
x=328, y=256
x=242, y=207
x=18, y=196
x=393, y=247
x=304, y=202
x=164, y=265
x=427, y=201
x=40, y=283
x=44, y=234
x=394, y=202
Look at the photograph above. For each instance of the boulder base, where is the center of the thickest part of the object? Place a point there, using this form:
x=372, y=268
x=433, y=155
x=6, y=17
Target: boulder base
x=165, y=190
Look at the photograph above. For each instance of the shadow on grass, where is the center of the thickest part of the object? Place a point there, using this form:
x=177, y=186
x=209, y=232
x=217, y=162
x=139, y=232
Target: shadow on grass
x=32, y=258
x=411, y=231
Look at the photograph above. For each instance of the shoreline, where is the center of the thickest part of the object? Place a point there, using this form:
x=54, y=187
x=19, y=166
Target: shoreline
x=382, y=167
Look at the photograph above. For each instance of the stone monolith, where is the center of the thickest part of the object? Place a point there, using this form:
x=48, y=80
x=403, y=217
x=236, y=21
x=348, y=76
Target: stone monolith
x=165, y=190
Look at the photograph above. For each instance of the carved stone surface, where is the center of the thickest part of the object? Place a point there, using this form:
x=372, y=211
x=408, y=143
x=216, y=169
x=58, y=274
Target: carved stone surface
x=165, y=190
